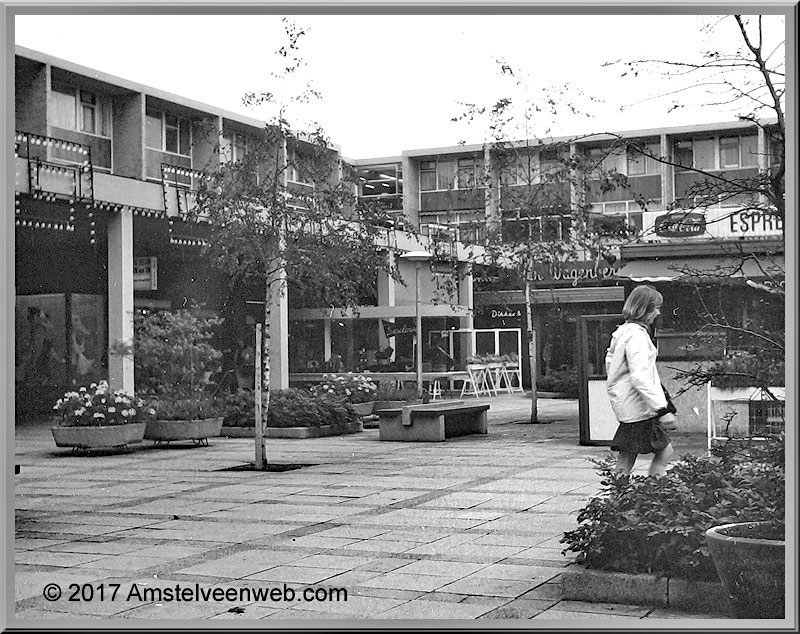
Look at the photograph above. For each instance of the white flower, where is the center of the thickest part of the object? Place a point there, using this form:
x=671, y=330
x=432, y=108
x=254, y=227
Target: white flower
x=151, y=411
x=111, y=410
x=80, y=411
x=99, y=415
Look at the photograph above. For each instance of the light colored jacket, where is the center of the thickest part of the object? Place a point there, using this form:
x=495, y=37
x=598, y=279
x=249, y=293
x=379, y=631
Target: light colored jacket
x=633, y=385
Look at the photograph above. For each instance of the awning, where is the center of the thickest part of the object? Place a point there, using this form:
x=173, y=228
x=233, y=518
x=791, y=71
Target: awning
x=689, y=269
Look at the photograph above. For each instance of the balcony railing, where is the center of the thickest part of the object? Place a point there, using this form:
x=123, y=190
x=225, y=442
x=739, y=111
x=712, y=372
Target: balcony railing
x=51, y=168
x=180, y=189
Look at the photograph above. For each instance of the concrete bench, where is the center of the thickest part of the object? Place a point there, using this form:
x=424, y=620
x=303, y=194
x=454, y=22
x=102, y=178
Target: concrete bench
x=433, y=421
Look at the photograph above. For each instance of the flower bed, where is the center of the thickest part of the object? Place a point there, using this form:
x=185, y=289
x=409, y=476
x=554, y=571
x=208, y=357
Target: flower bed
x=353, y=388
x=292, y=408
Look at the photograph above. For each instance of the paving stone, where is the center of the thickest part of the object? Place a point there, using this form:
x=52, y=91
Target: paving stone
x=449, y=569
x=485, y=586
x=296, y=574
x=554, y=614
x=519, y=609
x=400, y=581
x=423, y=609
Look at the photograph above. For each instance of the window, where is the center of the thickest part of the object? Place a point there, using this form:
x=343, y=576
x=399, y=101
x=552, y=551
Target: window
x=233, y=147
x=80, y=110
x=683, y=155
x=729, y=152
x=437, y=175
x=549, y=161
x=381, y=180
x=641, y=163
x=427, y=176
x=467, y=176
x=168, y=132
x=299, y=167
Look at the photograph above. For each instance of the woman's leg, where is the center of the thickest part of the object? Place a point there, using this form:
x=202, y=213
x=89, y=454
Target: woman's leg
x=625, y=462
x=660, y=461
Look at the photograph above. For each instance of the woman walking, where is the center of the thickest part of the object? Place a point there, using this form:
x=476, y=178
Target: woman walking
x=634, y=388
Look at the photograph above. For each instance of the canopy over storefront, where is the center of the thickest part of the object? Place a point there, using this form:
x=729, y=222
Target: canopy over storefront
x=696, y=269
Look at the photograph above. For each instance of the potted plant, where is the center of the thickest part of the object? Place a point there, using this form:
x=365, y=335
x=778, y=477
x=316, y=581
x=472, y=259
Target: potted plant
x=173, y=361
x=95, y=417
x=387, y=396
x=750, y=558
x=357, y=389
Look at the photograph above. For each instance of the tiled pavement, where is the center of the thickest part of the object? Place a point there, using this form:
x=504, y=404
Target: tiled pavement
x=465, y=529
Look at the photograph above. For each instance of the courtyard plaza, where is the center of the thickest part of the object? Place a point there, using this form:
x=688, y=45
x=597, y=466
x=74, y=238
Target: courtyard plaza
x=468, y=528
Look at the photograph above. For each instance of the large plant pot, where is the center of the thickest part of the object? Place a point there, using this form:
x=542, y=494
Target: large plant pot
x=364, y=409
x=197, y=430
x=98, y=437
x=751, y=567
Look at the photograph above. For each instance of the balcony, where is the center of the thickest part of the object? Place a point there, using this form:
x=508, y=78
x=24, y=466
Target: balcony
x=51, y=168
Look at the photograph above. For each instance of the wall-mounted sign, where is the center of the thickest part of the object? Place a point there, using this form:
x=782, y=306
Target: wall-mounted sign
x=720, y=222
x=505, y=314
x=754, y=223
x=573, y=272
x=390, y=329
x=680, y=225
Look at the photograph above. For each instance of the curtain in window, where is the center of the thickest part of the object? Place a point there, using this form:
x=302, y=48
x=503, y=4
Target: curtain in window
x=64, y=109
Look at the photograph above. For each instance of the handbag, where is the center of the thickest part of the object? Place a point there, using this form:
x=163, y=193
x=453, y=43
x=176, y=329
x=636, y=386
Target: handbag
x=659, y=438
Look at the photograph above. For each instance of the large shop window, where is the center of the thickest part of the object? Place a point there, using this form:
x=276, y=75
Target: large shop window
x=60, y=343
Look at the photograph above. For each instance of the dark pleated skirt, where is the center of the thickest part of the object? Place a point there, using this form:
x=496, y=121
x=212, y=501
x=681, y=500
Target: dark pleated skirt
x=634, y=437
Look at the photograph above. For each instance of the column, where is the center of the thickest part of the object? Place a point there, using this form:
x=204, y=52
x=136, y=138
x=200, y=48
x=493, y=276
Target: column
x=120, y=298
x=466, y=298
x=279, y=336
x=667, y=174
x=386, y=297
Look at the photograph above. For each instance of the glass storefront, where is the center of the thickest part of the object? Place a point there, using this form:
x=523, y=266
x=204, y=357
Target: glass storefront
x=60, y=343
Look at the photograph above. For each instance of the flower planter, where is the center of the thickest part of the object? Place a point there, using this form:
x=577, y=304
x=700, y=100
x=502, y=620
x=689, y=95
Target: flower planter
x=237, y=431
x=752, y=568
x=364, y=409
x=313, y=432
x=163, y=431
x=102, y=437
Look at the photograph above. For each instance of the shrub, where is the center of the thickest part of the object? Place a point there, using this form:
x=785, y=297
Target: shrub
x=172, y=353
x=564, y=380
x=239, y=409
x=289, y=408
x=388, y=392
x=657, y=525
x=186, y=407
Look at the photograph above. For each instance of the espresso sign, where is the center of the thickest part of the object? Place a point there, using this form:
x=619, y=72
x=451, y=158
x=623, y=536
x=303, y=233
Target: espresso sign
x=680, y=225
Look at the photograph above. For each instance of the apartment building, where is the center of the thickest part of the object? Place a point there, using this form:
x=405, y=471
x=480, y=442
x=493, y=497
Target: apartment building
x=106, y=175
x=526, y=188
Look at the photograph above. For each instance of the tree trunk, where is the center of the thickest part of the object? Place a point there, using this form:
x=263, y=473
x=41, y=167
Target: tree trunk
x=531, y=350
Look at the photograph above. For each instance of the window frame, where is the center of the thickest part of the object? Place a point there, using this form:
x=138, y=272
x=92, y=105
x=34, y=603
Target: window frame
x=80, y=100
x=738, y=152
x=151, y=113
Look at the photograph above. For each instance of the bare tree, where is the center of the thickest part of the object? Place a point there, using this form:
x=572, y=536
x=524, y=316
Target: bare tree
x=751, y=79
x=282, y=215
